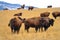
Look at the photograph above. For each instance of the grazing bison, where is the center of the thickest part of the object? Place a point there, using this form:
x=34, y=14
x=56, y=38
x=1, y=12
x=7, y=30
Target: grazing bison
x=19, y=14
x=56, y=14
x=23, y=6
x=38, y=23
x=15, y=24
x=45, y=14
x=30, y=8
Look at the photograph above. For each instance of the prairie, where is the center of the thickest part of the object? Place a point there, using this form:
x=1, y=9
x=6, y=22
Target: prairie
x=53, y=32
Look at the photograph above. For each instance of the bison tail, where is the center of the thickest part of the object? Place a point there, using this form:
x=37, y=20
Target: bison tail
x=9, y=24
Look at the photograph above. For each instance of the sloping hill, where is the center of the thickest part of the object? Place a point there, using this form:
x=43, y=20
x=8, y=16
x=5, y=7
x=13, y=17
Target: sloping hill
x=53, y=33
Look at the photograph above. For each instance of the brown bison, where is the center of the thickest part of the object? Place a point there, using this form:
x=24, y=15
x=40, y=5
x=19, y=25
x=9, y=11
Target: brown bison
x=31, y=22
x=30, y=8
x=23, y=6
x=5, y=9
x=18, y=8
x=38, y=23
x=45, y=14
x=45, y=22
x=56, y=14
x=50, y=6
x=15, y=24
x=19, y=14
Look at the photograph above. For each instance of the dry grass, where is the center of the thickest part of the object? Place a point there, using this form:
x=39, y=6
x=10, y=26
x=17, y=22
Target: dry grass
x=53, y=33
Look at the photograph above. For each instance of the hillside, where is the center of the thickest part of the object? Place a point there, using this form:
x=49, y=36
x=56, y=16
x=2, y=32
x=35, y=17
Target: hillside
x=53, y=33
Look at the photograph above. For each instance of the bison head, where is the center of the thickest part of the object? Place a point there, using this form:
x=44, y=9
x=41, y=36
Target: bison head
x=51, y=22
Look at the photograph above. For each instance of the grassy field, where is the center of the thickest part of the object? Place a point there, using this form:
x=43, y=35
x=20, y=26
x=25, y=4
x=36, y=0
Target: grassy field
x=53, y=33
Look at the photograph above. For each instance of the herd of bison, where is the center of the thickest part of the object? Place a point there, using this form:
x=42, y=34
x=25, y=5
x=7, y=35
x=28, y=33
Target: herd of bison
x=43, y=21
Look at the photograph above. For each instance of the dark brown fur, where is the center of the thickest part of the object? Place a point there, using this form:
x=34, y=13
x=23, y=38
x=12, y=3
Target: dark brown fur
x=45, y=22
x=50, y=6
x=38, y=22
x=23, y=6
x=19, y=14
x=15, y=24
x=30, y=8
x=32, y=22
x=45, y=14
x=56, y=14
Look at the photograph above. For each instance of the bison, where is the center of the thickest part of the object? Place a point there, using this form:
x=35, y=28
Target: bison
x=15, y=24
x=45, y=14
x=19, y=14
x=31, y=22
x=50, y=6
x=30, y=8
x=5, y=9
x=56, y=14
x=45, y=23
x=23, y=6
x=38, y=23
x=18, y=8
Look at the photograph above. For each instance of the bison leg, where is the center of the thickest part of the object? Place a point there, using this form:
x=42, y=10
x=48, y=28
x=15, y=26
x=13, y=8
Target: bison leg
x=27, y=28
x=12, y=29
x=39, y=28
x=45, y=28
x=36, y=28
x=15, y=29
x=18, y=29
x=42, y=29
